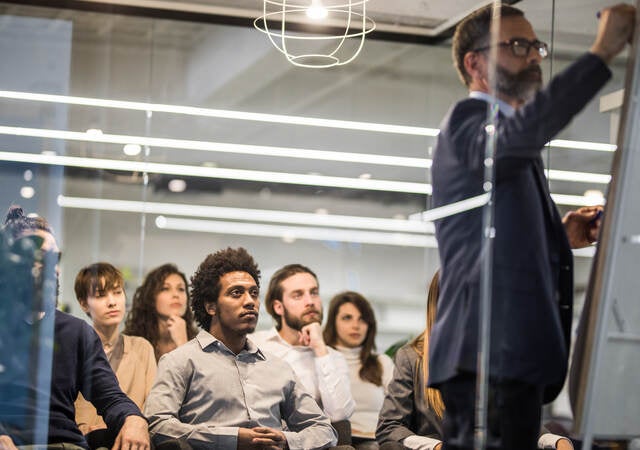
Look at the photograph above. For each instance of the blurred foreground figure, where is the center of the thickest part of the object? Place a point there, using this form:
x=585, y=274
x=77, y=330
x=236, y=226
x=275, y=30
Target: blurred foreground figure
x=76, y=363
x=532, y=265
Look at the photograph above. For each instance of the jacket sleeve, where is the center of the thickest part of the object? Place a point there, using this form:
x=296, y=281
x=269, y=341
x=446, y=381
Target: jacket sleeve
x=525, y=134
x=397, y=414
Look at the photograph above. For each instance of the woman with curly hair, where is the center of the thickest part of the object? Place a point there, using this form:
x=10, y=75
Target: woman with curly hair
x=351, y=329
x=161, y=310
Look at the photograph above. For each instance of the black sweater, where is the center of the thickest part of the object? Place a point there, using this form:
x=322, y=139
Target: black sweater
x=79, y=364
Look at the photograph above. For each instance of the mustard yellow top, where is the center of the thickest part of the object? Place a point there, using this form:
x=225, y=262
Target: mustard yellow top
x=136, y=373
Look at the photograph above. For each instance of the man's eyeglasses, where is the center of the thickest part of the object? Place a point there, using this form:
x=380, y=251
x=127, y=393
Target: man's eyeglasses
x=521, y=47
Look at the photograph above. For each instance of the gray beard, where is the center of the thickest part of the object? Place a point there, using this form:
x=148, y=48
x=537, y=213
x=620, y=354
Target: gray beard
x=521, y=86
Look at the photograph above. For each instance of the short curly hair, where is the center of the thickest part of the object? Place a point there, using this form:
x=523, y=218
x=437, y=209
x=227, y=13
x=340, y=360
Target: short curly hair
x=474, y=32
x=205, y=282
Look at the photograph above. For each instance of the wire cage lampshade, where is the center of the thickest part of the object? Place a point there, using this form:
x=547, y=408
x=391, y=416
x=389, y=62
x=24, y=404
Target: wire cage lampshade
x=315, y=47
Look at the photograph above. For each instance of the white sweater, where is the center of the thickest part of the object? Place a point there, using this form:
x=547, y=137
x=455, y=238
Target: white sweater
x=368, y=396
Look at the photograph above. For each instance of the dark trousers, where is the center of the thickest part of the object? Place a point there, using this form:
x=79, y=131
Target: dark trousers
x=514, y=412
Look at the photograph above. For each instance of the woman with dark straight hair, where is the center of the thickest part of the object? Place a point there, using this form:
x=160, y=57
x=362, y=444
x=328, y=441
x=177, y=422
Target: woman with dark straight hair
x=351, y=329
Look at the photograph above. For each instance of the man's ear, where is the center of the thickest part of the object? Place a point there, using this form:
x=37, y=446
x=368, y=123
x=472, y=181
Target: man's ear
x=278, y=307
x=210, y=307
x=475, y=64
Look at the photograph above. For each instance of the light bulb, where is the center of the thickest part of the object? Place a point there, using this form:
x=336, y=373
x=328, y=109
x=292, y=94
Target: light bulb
x=317, y=11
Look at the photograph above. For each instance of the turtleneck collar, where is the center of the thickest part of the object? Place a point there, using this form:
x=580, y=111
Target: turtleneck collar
x=350, y=353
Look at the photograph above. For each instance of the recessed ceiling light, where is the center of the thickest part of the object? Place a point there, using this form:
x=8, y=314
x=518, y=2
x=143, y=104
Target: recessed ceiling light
x=28, y=175
x=177, y=185
x=288, y=238
x=27, y=192
x=365, y=176
x=322, y=211
x=132, y=149
x=94, y=132
x=265, y=193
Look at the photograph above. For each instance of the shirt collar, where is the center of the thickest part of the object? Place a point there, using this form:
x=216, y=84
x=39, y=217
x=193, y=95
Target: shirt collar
x=505, y=108
x=206, y=339
x=273, y=335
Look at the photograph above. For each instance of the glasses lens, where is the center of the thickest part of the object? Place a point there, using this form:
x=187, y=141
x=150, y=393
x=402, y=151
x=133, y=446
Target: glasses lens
x=543, y=49
x=520, y=48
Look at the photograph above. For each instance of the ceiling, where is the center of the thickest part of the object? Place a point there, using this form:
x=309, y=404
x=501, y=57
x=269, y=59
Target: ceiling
x=263, y=82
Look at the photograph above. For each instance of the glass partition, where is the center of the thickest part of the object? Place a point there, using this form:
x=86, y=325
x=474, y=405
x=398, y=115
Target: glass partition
x=576, y=164
x=161, y=141
x=145, y=141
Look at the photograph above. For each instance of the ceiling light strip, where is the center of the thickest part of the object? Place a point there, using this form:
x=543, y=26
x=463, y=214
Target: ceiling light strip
x=220, y=173
x=583, y=145
x=292, y=233
x=309, y=233
x=584, y=177
x=221, y=147
x=222, y=113
x=262, y=117
x=453, y=208
x=260, y=150
x=246, y=214
x=576, y=200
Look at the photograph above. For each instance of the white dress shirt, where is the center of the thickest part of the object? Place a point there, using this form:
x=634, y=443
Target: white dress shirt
x=326, y=377
x=204, y=392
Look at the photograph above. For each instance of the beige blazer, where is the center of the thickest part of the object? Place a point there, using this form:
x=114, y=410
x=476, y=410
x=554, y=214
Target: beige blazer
x=135, y=374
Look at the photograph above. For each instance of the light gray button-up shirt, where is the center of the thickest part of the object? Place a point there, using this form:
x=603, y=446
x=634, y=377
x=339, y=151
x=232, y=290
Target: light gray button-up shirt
x=204, y=392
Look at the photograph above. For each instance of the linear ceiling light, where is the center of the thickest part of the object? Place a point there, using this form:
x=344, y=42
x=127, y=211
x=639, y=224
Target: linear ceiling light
x=292, y=232
x=215, y=172
x=221, y=147
x=583, y=145
x=246, y=214
x=452, y=208
x=261, y=150
x=223, y=113
x=576, y=200
x=247, y=175
x=583, y=177
x=262, y=117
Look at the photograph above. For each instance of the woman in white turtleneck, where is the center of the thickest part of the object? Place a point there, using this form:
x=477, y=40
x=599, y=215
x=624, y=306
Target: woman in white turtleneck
x=351, y=329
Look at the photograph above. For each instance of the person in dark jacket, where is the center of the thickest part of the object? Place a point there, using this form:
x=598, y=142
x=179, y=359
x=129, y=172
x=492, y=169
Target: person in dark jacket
x=532, y=266
x=77, y=362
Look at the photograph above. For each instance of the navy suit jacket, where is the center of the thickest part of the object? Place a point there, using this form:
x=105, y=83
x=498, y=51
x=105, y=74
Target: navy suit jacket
x=532, y=293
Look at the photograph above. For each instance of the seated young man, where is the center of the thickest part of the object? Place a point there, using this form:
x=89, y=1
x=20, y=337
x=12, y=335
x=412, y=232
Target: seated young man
x=99, y=289
x=78, y=363
x=219, y=390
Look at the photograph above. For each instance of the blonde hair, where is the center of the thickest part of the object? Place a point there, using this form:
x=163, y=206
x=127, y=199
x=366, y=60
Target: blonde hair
x=421, y=346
